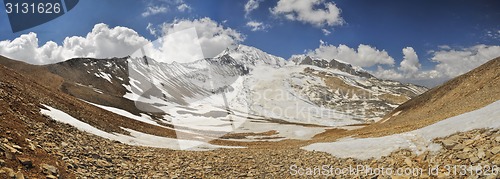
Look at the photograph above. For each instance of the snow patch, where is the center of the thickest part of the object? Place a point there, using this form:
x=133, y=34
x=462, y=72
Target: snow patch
x=104, y=75
x=135, y=138
x=418, y=141
x=143, y=118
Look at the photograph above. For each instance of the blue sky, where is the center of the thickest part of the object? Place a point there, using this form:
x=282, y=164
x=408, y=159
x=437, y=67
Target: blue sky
x=424, y=25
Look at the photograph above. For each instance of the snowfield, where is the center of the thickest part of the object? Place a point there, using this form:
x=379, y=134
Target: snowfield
x=143, y=118
x=135, y=138
x=418, y=141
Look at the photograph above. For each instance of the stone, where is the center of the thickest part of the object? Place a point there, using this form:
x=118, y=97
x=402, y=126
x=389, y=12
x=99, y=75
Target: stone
x=51, y=177
x=9, y=172
x=49, y=169
x=448, y=143
x=474, y=159
x=462, y=156
x=9, y=156
x=495, y=150
x=8, y=148
x=497, y=138
x=103, y=163
x=19, y=175
x=17, y=147
x=26, y=162
x=408, y=162
x=481, y=154
x=468, y=142
x=2, y=163
x=459, y=147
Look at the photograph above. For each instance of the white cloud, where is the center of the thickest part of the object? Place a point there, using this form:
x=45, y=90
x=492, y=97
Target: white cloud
x=102, y=42
x=410, y=64
x=209, y=39
x=309, y=11
x=256, y=26
x=251, y=5
x=493, y=34
x=450, y=63
x=184, y=7
x=177, y=46
x=213, y=37
x=151, y=29
x=444, y=47
x=326, y=32
x=364, y=56
x=153, y=10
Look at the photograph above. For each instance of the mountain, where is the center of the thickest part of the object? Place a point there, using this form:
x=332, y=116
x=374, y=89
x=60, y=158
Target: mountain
x=333, y=63
x=301, y=90
x=353, y=89
x=470, y=91
x=55, y=124
x=446, y=121
x=315, y=91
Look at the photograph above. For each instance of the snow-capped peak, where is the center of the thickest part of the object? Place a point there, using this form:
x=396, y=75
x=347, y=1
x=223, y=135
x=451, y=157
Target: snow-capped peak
x=252, y=56
x=325, y=63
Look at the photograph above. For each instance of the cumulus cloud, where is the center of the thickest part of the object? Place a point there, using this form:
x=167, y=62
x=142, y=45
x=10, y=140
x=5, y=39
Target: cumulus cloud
x=251, y=5
x=194, y=38
x=153, y=10
x=363, y=56
x=454, y=62
x=256, y=25
x=410, y=64
x=450, y=63
x=315, y=12
x=101, y=42
x=212, y=36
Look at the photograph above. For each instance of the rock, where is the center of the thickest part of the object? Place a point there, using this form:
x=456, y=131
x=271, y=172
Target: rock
x=2, y=162
x=17, y=147
x=495, y=150
x=408, y=162
x=19, y=175
x=474, y=159
x=103, y=163
x=26, y=162
x=481, y=154
x=459, y=147
x=462, y=156
x=8, y=148
x=51, y=177
x=9, y=156
x=49, y=169
x=10, y=173
x=468, y=142
x=497, y=138
x=448, y=143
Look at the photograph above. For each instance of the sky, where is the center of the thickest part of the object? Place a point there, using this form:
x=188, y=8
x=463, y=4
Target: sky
x=419, y=41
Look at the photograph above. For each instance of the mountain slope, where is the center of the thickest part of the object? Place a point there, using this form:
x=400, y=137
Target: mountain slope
x=466, y=104
x=465, y=93
x=314, y=91
x=70, y=150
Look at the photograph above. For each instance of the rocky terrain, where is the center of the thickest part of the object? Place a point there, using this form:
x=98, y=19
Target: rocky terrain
x=88, y=156
x=33, y=145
